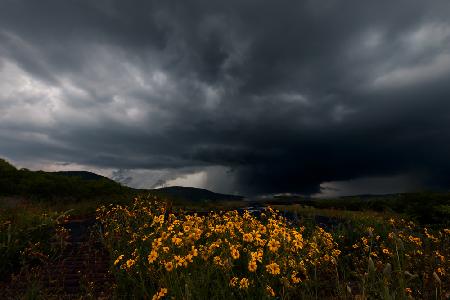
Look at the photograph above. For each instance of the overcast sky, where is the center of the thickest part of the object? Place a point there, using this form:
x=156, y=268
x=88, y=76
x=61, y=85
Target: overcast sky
x=249, y=97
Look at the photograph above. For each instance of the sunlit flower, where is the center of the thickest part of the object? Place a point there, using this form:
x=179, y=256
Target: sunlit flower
x=336, y=252
x=234, y=281
x=130, y=263
x=415, y=240
x=118, y=259
x=152, y=256
x=160, y=294
x=257, y=255
x=273, y=245
x=234, y=253
x=177, y=241
x=270, y=291
x=169, y=266
x=247, y=237
x=273, y=268
x=217, y=260
x=252, y=266
x=294, y=277
x=244, y=283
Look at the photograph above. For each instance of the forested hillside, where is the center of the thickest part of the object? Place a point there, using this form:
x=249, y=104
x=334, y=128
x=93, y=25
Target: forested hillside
x=51, y=185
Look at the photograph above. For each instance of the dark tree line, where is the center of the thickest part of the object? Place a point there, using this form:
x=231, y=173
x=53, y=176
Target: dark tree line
x=52, y=185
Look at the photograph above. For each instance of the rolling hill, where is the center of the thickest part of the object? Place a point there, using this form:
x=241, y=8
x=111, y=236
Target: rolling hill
x=57, y=185
x=193, y=194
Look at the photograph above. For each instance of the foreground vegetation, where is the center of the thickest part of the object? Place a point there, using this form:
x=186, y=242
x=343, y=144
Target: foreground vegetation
x=158, y=253
x=29, y=235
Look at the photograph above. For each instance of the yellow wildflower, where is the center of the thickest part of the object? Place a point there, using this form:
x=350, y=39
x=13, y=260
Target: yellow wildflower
x=217, y=260
x=244, y=283
x=364, y=240
x=130, y=263
x=252, y=266
x=118, y=259
x=273, y=268
x=234, y=253
x=440, y=256
x=234, y=281
x=336, y=252
x=169, y=266
x=177, y=241
x=415, y=240
x=179, y=261
x=194, y=251
x=247, y=237
x=152, y=256
x=440, y=271
x=273, y=245
x=270, y=291
x=161, y=293
x=294, y=277
x=258, y=255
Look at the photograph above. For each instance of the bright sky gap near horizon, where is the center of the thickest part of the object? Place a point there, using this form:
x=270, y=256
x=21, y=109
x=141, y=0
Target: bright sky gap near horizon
x=242, y=97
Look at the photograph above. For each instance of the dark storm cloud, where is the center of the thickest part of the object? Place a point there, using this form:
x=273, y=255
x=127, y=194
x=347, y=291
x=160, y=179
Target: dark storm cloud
x=286, y=95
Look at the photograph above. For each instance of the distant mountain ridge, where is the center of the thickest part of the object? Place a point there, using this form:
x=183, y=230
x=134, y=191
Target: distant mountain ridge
x=194, y=194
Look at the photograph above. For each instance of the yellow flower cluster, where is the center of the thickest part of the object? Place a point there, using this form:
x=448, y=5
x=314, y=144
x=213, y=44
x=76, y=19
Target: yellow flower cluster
x=266, y=256
x=265, y=251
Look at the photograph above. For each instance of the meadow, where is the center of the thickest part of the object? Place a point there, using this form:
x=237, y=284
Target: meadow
x=159, y=252
x=29, y=235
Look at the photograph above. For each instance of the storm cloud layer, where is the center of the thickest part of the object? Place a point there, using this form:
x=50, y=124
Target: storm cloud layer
x=255, y=96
